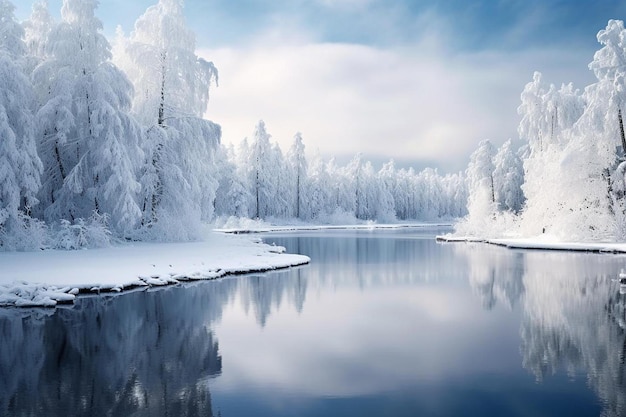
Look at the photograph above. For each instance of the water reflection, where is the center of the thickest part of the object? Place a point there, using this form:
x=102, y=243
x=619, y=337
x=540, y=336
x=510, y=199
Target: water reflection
x=573, y=313
x=373, y=258
x=131, y=355
x=378, y=321
x=572, y=320
x=494, y=273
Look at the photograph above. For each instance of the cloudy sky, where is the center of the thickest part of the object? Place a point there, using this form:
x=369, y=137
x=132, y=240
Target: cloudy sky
x=419, y=81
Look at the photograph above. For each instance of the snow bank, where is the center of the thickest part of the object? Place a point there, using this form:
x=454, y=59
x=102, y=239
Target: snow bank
x=544, y=242
x=243, y=225
x=46, y=278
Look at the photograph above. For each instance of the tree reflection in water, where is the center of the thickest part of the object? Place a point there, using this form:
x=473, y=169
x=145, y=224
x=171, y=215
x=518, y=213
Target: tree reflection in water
x=573, y=313
x=130, y=355
x=154, y=353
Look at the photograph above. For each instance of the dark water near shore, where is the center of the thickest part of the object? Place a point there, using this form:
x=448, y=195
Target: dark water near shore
x=381, y=323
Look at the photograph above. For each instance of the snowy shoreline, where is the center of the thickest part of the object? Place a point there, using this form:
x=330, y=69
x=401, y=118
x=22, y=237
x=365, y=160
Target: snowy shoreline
x=541, y=243
x=51, y=277
x=265, y=228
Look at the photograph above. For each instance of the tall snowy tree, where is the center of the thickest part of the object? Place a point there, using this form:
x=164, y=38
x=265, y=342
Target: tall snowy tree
x=548, y=116
x=298, y=167
x=480, y=179
x=320, y=202
x=280, y=203
x=36, y=31
x=607, y=97
x=259, y=174
x=388, y=185
x=508, y=177
x=355, y=171
x=172, y=91
x=90, y=141
x=597, y=145
x=20, y=166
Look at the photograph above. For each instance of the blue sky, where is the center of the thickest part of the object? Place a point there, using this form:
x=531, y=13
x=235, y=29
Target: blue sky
x=420, y=81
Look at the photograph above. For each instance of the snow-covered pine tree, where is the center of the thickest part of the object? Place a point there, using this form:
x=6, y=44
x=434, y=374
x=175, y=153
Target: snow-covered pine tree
x=90, y=143
x=321, y=195
x=36, y=31
x=388, y=183
x=298, y=166
x=455, y=195
x=278, y=204
x=259, y=172
x=400, y=196
x=20, y=166
x=231, y=196
x=355, y=173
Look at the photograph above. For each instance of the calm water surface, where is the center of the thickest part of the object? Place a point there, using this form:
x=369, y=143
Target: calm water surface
x=381, y=323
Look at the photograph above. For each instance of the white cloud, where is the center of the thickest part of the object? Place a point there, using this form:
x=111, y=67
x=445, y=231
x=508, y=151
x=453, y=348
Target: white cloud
x=346, y=3
x=412, y=103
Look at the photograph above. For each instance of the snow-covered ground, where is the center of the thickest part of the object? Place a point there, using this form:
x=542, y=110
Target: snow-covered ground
x=543, y=242
x=48, y=277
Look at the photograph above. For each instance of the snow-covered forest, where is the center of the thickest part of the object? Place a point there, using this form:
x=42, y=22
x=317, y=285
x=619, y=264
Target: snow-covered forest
x=258, y=181
x=567, y=181
x=106, y=139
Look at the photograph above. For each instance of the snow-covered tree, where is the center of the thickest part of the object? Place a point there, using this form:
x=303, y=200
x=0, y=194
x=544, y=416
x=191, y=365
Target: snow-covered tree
x=171, y=80
x=259, y=172
x=596, y=145
x=508, y=177
x=36, y=31
x=90, y=143
x=480, y=169
x=320, y=201
x=481, y=204
x=231, y=196
x=548, y=116
x=388, y=183
x=279, y=202
x=355, y=172
x=171, y=95
x=20, y=166
x=298, y=167
x=606, y=98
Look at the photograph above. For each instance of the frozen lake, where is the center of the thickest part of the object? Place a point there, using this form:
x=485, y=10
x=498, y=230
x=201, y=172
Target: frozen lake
x=381, y=323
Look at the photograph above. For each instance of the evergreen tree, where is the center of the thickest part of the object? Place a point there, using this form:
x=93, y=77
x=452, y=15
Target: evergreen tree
x=20, y=166
x=298, y=167
x=259, y=172
x=90, y=142
x=36, y=31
